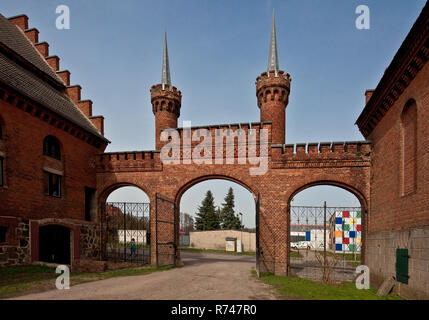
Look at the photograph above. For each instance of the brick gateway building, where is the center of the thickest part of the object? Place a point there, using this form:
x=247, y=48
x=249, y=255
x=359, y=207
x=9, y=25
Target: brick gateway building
x=359, y=167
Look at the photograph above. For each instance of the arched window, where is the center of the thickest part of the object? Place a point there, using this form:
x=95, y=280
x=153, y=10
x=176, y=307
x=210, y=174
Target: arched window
x=51, y=147
x=409, y=147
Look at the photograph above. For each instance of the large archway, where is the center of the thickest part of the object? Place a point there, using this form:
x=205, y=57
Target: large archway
x=125, y=220
x=235, y=232
x=326, y=235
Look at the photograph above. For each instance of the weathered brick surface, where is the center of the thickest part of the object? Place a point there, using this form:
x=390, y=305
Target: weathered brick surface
x=399, y=211
x=23, y=194
x=390, y=210
x=290, y=174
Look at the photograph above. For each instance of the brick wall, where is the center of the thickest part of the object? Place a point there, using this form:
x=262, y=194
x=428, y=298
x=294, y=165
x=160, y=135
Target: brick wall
x=399, y=210
x=390, y=209
x=22, y=197
x=292, y=172
x=23, y=193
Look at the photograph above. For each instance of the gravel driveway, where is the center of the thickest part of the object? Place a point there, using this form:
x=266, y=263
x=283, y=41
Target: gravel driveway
x=205, y=276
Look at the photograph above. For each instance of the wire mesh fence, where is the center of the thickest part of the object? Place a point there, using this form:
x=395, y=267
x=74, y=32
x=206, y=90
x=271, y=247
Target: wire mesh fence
x=325, y=242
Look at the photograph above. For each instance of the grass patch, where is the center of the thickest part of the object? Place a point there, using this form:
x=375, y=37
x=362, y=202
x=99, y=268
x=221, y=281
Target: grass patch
x=303, y=289
x=20, y=280
x=295, y=254
x=244, y=253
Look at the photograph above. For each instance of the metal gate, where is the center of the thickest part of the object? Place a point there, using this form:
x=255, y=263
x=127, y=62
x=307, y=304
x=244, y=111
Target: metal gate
x=166, y=231
x=325, y=242
x=258, y=251
x=127, y=232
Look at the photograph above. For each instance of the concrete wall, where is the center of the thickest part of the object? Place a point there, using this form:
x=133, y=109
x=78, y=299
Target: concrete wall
x=381, y=258
x=216, y=239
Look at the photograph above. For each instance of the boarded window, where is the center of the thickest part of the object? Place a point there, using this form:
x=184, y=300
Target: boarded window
x=409, y=148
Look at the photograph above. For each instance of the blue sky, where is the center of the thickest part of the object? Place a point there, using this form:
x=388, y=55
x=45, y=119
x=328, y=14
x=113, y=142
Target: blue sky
x=217, y=49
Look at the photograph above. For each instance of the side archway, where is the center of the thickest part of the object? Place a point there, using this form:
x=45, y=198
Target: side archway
x=322, y=234
x=124, y=215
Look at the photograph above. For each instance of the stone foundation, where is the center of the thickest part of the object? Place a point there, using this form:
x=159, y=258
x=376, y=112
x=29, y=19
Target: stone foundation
x=380, y=257
x=16, y=250
x=90, y=242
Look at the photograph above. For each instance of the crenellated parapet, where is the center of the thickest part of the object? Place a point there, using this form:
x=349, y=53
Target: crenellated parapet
x=323, y=154
x=135, y=161
x=270, y=87
x=166, y=97
x=62, y=76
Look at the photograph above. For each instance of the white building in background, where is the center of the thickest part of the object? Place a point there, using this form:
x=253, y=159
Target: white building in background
x=309, y=235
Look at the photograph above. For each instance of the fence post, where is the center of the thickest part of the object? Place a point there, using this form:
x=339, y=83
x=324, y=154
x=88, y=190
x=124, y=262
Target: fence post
x=125, y=232
x=324, y=238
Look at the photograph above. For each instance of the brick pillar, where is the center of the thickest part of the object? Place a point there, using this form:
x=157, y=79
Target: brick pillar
x=273, y=237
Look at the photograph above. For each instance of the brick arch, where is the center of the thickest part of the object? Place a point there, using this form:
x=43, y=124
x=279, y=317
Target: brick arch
x=195, y=181
x=104, y=194
x=189, y=184
x=357, y=193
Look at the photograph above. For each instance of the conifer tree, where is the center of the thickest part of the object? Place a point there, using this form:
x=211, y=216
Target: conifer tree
x=229, y=220
x=207, y=217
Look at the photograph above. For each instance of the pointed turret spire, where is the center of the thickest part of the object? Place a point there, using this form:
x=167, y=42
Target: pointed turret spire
x=273, y=58
x=165, y=79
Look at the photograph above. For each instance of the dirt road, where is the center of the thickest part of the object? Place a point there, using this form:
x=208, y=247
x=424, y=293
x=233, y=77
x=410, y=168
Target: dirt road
x=204, y=276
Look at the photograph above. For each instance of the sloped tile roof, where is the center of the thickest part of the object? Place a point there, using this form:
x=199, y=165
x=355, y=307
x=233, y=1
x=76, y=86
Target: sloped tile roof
x=32, y=85
x=13, y=38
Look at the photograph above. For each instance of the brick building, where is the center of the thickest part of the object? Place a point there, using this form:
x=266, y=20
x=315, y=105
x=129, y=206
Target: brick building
x=48, y=142
x=395, y=120
x=63, y=189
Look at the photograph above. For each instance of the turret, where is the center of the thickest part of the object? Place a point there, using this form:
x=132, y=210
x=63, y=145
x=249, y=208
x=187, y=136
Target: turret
x=272, y=91
x=166, y=101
